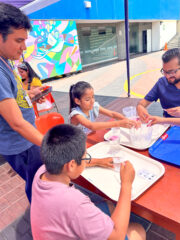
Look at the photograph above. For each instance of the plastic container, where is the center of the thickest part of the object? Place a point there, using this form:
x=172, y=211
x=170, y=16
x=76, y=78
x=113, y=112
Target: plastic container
x=157, y=131
x=130, y=112
x=141, y=136
x=114, y=138
x=117, y=163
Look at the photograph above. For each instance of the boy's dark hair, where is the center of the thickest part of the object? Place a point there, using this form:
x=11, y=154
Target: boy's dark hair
x=60, y=145
x=77, y=91
x=31, y=73
x=12, y=17
x=170, y=54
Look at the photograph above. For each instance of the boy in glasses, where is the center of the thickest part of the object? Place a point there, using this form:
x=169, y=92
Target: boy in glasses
x=167, y=90
x=59, y=210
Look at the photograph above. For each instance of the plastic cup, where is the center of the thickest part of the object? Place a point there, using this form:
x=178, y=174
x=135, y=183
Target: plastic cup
x=117, y=163
x=141, y=137
x=130, y=112
x=114, y=138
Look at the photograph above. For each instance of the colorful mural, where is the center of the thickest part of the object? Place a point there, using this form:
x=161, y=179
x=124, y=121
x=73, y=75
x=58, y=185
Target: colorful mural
x=52, y=48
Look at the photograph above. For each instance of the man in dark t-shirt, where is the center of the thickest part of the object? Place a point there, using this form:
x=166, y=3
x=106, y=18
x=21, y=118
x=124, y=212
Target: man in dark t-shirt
x=167, y=88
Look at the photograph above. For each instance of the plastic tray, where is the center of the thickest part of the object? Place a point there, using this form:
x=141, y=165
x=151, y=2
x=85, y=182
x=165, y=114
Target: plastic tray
x=158, y=130
x=167, y=148
x=148, y=171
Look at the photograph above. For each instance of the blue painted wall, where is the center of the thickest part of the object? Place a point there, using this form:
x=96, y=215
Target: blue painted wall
x=75, y=9
x=154, y=9
x=111, y=9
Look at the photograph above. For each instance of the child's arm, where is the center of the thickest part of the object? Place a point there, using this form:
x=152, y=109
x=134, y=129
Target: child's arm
x=79, y=119
x=172, y=121
x=110, y=113
x=121, y=213
x=101, y=162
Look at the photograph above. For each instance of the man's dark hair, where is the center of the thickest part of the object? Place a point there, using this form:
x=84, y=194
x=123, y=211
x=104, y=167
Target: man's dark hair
x=60, y=145
x=170, y=54
x=12, y=17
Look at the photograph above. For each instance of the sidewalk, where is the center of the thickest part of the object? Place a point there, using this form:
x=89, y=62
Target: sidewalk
x=110, y=80
x=108, y=83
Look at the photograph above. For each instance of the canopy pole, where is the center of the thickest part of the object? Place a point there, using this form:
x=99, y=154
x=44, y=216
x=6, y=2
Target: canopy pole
x=127, y=43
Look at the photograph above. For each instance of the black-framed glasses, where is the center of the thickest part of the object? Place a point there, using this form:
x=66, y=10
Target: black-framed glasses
x=87, y=158
x=171, y=72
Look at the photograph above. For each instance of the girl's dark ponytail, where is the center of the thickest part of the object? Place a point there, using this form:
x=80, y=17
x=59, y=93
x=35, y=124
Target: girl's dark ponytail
x=71, y=97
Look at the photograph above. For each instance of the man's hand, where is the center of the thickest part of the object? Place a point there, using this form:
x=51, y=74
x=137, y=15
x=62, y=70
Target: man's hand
x=175, y=111
x=142, y=113
x=154, y=120
x=35, y=91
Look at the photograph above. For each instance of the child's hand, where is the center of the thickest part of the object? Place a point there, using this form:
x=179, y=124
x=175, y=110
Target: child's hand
x=127, y=173
x=101, y=162
x=105, y=162
x=128, y=123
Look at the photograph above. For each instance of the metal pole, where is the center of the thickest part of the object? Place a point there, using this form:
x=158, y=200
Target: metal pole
x=127, y=43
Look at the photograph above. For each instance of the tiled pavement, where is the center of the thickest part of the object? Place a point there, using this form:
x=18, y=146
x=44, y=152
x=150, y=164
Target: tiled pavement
x=107, y=81
x=13, y=201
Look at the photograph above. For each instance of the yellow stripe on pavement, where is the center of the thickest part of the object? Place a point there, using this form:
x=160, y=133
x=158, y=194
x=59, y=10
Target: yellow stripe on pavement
x=131, y=92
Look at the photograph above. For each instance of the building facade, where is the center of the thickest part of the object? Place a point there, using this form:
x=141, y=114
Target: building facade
x=101, y=27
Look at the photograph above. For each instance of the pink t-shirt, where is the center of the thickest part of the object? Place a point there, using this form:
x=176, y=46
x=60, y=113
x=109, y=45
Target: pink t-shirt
x=59, y=211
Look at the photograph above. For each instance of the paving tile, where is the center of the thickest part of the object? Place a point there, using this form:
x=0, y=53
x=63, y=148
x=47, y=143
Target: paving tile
x=16, y=210
x=20, y=178
x=7, y=166
x=6, y=187
x=24, y=202
x=11, y=173
x=10, y=214
x=1, y=191
x=15, y=181
x=19, y=191
x=4, y=177
x=2, y=170
x=6, y=218
x=11, y=196
x=3, y=204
